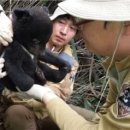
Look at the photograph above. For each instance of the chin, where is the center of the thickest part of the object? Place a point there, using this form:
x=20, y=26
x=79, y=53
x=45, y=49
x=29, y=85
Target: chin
x=59, y=44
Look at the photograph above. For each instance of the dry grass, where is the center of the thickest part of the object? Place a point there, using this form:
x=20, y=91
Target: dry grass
x=9, y=5
x=89, y=83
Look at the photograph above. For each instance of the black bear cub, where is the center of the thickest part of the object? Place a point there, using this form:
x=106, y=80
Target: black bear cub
x=32, y=29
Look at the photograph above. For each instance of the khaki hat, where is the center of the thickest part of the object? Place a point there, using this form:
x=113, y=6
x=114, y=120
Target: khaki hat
x=106, y=10
x=58, y=12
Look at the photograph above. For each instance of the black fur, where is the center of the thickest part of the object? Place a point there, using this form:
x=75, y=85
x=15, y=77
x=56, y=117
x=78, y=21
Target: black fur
x=32, y=29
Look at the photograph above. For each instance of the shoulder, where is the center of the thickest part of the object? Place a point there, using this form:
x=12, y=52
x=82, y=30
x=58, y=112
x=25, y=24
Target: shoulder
x=67, y=49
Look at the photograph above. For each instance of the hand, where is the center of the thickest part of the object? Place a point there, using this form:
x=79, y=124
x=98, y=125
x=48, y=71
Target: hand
x=43, y=93
x=2, y=74
x=6, y=33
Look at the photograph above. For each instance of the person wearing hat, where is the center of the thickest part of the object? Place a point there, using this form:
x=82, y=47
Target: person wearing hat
x=20, y=105
x=64, y=30
x=105, y=28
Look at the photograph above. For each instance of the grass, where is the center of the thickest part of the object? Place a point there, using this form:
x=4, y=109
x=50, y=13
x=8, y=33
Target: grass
x=89, y=83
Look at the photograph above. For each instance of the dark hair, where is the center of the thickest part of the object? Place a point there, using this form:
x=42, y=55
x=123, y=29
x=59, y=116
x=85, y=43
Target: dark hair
x=69, y=17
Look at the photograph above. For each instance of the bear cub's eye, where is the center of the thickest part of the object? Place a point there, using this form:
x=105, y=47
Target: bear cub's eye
x=35, y=41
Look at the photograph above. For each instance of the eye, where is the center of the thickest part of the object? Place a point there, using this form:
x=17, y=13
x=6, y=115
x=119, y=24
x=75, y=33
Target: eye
x=35, y=41
x=61, y=21
x=74, y=28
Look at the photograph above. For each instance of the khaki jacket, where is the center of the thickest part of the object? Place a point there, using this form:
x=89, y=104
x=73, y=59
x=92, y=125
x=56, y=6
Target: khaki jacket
x=62, y=89
x=115, y=113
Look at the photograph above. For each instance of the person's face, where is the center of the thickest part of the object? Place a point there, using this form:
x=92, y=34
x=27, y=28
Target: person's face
x=63, y=31
x=101, y=37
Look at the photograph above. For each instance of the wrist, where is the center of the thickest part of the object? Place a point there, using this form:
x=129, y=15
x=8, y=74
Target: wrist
x=48, y=97
x=42, y=93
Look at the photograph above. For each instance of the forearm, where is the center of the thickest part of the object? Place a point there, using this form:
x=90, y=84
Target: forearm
x=65, y=117
x=61, y=113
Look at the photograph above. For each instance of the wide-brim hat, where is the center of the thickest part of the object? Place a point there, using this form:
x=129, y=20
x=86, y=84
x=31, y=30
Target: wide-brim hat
x=58, y=12
x=106, y=10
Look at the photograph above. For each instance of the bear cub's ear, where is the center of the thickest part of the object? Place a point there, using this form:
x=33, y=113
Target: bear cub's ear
x=46, y=10
x=22, y=15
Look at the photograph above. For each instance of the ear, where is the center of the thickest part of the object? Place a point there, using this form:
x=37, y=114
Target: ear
x=22, y=14
x=46, y=9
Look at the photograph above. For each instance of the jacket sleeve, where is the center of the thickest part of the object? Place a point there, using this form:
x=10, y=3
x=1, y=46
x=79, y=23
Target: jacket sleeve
x=66, y=118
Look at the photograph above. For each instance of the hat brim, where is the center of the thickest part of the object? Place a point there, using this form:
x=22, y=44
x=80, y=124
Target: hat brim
x=116, y=10
x=58, y=12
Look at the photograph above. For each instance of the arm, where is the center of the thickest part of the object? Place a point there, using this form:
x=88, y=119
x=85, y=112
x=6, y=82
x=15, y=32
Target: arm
x=6, y=32
x=61, y=113
x=51, y=74
x=64, y=88
x=65, y=117
x=50, y=58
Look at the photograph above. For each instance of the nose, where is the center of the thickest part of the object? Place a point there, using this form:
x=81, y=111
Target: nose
x=64, y=30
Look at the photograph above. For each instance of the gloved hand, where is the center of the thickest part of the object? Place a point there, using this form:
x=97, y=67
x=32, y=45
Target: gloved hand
x=2, y=74
x=43, y=93
x=6, y=33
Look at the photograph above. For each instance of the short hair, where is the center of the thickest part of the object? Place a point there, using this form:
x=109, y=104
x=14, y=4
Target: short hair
x=69, y=17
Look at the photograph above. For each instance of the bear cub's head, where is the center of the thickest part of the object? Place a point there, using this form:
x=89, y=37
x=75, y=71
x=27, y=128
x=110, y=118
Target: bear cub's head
x=32, y=28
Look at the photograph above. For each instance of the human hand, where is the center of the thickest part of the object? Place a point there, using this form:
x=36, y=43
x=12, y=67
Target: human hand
x=6, y=32
x=43, y=93
x=2, y=74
